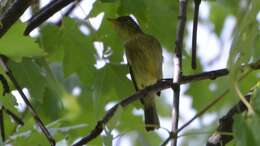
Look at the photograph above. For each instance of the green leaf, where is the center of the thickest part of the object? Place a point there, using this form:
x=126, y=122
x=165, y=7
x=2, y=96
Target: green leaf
x=244, y=40
x=242, y=133
x=8, y=101
x=50, y=106
x=110, y=39
x=16, y=46
x=200, y=93
x=218, y=15
x=135, y=7
x=111, y=84
x=108, y=1
x=256, y=99
x=161, y=21
x=256, y=51
x=30, y=75
x=79, y=54
x=50, y=41
x=254, y=126
x=110, y=9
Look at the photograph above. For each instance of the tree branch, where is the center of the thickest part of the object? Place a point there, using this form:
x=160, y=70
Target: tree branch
x=12, y=14
x=194, y=34
x=177, y=59
x=27, y=102
x=226, y=123
x=212, y=75
x=69, y=11
x=160, y=85
x=253, y=66
x=17, y=119
x=2, y=127
x=45, y=13
x=4, y=82
x=213, y=102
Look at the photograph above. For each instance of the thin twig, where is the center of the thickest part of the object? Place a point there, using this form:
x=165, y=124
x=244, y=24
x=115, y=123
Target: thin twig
x=225, y=124
x=6, y=88
x=69, y=11
x=2, y=127
x=205, y=75
x=177, y=76
x=27, y=102
x=45, y=13
x=22, y=116
x=194, y=34
x=253, y=66
x=163, y=84
x=17, y=119
x=213, y=102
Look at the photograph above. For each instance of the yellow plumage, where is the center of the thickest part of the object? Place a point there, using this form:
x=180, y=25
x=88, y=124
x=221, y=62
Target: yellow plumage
x=144, y=56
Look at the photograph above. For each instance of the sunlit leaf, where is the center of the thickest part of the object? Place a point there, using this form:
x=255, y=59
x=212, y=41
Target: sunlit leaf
x=242, y=133
x=16, y=46
x=50, y=41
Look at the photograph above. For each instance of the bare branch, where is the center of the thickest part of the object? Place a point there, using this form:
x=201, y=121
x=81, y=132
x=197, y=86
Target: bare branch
x=177, y=74
x=225, y=125
x=194, y=34
x=212, y=75
x=12, y=14
x=27, y=102
x=163, y=84
x=45, y=13
x=213, y=102
x=2, y=127
x=4, y=82
x=253, y=66
x=17, y=119
x=69, y=11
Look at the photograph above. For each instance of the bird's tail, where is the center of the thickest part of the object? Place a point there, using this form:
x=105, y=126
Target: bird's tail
x=150, y=114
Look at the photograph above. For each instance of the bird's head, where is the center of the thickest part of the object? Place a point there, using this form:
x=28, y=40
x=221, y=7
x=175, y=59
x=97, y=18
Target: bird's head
x=125, y=26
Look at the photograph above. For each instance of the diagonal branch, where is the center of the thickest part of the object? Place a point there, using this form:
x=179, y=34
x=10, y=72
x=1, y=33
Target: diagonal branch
x=69, y=11
x=213, y=102
x=17, y=119
x=45, y=13
x=27, y=102
x=160, y=85
x=12, y=14
x=163, y=84
x=253, y=66
x=226, y=123
x=123, y=103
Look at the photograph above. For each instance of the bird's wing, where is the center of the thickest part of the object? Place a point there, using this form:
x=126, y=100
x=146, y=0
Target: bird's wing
x=145, y=51
x=132, y=77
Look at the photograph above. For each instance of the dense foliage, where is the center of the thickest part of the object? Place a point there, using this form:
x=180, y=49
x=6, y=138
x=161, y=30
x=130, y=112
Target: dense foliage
x=71, y=91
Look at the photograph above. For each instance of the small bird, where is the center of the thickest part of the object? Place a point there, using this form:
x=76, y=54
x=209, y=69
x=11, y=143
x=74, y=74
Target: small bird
x=144, y=57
